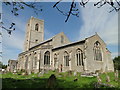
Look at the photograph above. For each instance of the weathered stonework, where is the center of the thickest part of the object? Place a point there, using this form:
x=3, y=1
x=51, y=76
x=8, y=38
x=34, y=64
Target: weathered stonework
x=59, y=53
x=12, y=65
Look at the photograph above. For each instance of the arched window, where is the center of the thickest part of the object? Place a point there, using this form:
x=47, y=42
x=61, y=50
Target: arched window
x=97, y=51
x=79, y=57
x=66, y=58
x=47, y=58
x=36, y=27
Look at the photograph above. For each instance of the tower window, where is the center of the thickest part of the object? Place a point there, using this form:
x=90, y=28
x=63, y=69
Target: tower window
x=36, y=27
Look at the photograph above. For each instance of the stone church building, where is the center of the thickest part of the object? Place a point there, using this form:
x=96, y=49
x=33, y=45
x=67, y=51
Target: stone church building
x=58, y=52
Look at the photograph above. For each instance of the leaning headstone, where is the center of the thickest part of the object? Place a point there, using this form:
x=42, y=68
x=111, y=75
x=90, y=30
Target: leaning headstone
x=75, y=73
x=40, y=74
x=116, y=75
x=29, y=72
x=51, y=81
x=107, y=78
x=99, y=79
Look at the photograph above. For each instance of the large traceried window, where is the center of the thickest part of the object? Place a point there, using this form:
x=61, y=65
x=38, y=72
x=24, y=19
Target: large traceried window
x=62, y=39
x=97, y=51
x=66, y=58
x=36, y=27
x=79, y=57
x=47, y=58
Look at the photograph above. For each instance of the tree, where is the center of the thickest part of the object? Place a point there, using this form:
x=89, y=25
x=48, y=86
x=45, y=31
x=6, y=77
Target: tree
x=2, y=66
x=116, y=61
x=73, y=10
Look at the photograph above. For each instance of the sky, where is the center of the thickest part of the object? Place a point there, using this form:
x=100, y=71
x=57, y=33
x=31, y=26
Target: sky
x=90, y=20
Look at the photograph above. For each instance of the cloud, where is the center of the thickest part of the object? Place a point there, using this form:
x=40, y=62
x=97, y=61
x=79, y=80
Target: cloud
x=115, y=54
x=12, y=44
x=17, y=38
x=14, y=41
x=100, y=21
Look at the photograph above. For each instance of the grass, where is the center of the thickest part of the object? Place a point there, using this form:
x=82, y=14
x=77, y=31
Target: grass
x=10, y=80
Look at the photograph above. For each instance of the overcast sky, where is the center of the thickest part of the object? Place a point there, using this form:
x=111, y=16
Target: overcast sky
x=90, y=20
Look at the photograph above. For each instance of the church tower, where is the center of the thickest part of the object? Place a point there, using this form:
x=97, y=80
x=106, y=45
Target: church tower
x=34, y=33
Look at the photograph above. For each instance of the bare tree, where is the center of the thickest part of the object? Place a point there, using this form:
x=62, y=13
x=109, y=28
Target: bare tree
x=16, y=7
x=73, y=10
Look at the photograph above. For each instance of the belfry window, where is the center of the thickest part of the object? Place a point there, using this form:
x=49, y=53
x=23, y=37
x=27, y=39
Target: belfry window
x=47, y=58
x=97, y=51
x=36, y=27
x=66, y=58
x=79, y=57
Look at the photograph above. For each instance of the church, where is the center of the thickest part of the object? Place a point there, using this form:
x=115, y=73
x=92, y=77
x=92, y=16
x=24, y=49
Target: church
x=58, y=53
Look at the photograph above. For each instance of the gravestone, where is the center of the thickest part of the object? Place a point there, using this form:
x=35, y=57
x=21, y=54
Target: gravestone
x=99, y=79
x=51, y=81
x=75, y=73
x=40, y=74
x=14, y=71
x=107, y=78
x=23, y=73
x=69, y=73
x=116, y=75
x=45, y=71
x=42, y=71
x=29, y=72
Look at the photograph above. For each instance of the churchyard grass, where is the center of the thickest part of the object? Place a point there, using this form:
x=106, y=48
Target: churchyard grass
x=63, y=80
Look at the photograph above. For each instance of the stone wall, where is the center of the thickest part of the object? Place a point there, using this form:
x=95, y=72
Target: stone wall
x=12, y=65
